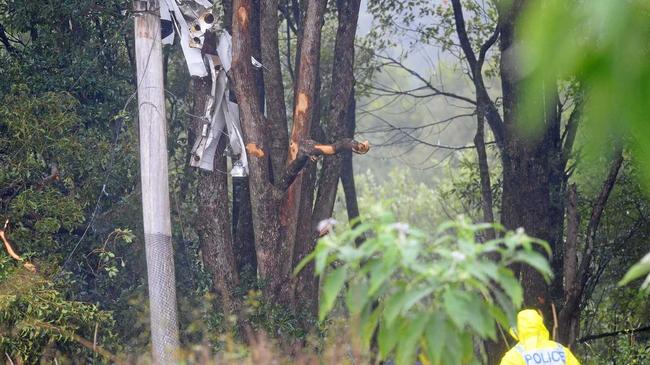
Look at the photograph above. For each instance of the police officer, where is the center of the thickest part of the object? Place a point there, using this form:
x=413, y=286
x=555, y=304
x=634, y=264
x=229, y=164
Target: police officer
x=534, y=346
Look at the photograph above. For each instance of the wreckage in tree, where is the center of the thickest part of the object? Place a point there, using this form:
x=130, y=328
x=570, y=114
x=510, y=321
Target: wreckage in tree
x=240, y=113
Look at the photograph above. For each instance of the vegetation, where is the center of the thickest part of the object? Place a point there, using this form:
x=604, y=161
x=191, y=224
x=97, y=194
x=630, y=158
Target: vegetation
x=426, y=297
x=513, y=134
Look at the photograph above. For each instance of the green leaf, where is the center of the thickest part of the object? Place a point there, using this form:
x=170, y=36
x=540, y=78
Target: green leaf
x=393, y=306
x=368, y=327
x=409, y=338
x=381, y=270
x=301, y=265
x=435, y=335
x=356, y=297
x=387, y=338
x=536, y=261
x=511, y=286
x=460, y=307
x=414, y=295
x=333, y=283
x=638, y=270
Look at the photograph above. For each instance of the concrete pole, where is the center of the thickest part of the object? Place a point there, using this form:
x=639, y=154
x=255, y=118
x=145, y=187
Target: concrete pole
x=155, y=182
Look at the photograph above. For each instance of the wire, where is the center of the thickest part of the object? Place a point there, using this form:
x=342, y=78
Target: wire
x=103, y=192
x=111, y=162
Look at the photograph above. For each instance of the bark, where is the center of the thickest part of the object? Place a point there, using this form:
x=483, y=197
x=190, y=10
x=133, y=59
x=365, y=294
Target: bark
x=305, y=285
x=275, y=105
x=243, y=233
x=304, y=292
x=570, y=264
x=213, y=217
x=484, y=173
x=281, y=171
x=341, y=94
x=347, y=168
x=531, y=180
x=270, y=246
x=256, y=51
x=306, y=93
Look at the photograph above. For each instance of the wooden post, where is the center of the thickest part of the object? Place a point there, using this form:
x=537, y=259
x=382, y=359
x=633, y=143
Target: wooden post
x=155, y=184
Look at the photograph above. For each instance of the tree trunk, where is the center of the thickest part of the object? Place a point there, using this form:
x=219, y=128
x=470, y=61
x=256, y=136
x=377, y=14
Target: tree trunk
x=484, y=173
x=213, y=210
x=270, y=245
x=281, y=182
x=243, y=234
x=347, y=168
x=530, y=179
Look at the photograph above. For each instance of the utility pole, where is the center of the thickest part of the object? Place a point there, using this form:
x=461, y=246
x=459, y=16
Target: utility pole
x=155, y=182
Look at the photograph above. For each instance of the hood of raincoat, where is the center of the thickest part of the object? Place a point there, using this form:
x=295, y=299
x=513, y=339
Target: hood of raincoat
x=530, y=328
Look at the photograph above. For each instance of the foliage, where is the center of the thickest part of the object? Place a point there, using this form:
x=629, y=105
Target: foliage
x=37, y=321
x=639, y=270
x=615, y=309
x=621, y=350
x=425, y=202
x=601, y=44
x=427, y=295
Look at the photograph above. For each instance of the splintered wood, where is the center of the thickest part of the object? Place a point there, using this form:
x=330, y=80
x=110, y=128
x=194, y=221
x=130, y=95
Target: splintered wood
x=253, y=150
x=11, y=251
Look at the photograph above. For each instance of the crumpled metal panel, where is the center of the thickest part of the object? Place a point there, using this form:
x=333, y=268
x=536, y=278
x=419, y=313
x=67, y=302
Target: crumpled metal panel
x=191, y=20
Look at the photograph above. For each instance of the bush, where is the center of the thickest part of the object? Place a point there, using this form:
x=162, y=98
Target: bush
x=420, y=294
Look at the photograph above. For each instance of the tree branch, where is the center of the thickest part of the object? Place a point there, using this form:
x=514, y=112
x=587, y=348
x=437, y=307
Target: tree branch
x=570, y=250
x=570, y=132
x=488, y=44
x=311, y=149
x=11, y=251
x=465, y=44
x=275, y=104
x=615, y=333
x=426, y=82
x=574, y=293
x=5, y=41
x=484, y=103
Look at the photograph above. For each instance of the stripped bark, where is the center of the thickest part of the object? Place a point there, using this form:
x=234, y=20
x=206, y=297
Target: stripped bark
x=306, y=92
x=281, y=170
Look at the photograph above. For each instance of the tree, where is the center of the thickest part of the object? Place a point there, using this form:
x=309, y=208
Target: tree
x=534, y=148
x=288, y=194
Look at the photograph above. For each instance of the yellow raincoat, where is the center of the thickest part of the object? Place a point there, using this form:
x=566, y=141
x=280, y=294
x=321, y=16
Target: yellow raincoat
x=534, y=347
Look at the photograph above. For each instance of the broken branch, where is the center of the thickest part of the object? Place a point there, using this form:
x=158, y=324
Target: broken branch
x=310, y=149
x=11, y=251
